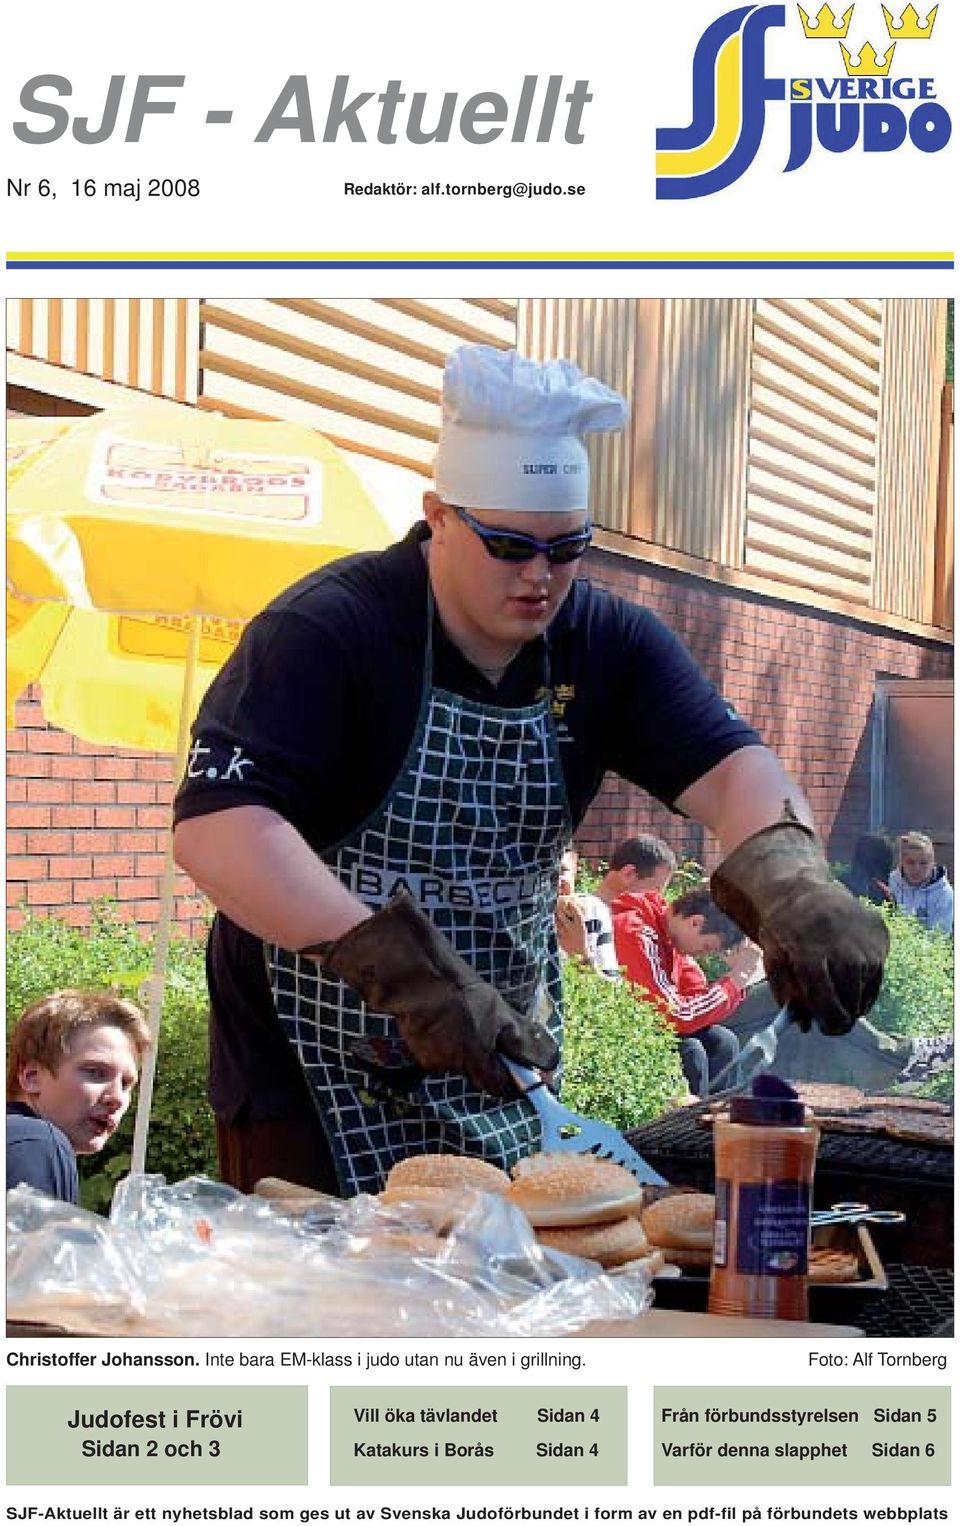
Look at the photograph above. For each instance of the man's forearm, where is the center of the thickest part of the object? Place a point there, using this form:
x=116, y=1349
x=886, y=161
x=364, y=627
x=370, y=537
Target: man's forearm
x=742, y=795
x=257, y=869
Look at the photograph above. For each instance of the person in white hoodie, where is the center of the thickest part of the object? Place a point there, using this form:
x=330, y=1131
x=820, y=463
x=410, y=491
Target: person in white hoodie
x=920, y=885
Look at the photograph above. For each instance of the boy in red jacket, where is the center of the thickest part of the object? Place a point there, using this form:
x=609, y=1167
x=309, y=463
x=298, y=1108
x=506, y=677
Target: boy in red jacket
x=658, y=943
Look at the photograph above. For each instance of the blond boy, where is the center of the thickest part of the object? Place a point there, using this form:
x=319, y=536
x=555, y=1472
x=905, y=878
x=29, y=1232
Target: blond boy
x=73, y=1060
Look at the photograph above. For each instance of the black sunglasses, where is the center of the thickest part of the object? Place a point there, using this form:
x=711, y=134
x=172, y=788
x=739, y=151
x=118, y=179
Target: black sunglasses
x=511, y=546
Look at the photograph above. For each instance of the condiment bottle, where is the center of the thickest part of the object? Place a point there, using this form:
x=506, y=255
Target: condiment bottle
x=764, y=1160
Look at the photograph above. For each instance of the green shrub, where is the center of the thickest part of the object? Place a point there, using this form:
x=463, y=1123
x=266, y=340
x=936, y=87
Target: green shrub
x=687, y=874
x=47, y=954
x=589, y=874
x=917, y=991
x=939, y=1087
x=621, y=1057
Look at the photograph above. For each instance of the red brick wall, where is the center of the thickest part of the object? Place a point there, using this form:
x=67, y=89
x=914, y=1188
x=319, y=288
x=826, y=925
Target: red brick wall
x=805, y=679
x=85, y=822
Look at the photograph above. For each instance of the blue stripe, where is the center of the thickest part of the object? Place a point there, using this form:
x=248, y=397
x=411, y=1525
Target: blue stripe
x=864, y=264
x=704, y=116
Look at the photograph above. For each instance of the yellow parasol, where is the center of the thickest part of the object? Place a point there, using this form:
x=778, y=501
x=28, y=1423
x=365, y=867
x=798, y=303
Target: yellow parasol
x=27, y=439
x=139, y=542
x=110, y=679
x=113, y=679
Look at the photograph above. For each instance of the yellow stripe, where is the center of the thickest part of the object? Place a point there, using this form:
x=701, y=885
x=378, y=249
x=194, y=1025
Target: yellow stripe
x=727, y=120
x=229, y=257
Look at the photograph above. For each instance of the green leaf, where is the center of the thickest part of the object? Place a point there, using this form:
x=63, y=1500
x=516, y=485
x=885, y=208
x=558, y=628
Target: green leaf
x=129, y=981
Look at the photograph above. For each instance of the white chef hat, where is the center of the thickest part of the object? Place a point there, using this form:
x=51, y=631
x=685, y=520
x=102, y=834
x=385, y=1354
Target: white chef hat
x=512, y=431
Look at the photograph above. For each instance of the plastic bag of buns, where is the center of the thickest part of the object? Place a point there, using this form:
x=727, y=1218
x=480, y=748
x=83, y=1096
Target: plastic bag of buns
x=60, y=1258
x=198, y=1258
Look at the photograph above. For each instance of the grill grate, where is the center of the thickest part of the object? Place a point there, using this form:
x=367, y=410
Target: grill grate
x=889, y=1173
x=679, y=1134
x=919, y=1302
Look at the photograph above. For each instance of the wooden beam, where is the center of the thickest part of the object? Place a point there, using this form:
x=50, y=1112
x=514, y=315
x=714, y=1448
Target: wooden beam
x=363, y=329
x=498, y=309
x=642, y=486
x=94, y=392
x=109, y=338
x=829, y=332
x=446, y=321
x=717, y=577
x=25, y=346
x=944, y=533
x=156, y=339
x=83, y=334
x=335, y=402
x=842, y=315
x=810, y=534
x=306, y=349
x=133, y=341
x=55, y=331
x=211, y=404
x=762, y=409
x=180, y=347
x=800, y=479
x=812, y=353
x=827, y=388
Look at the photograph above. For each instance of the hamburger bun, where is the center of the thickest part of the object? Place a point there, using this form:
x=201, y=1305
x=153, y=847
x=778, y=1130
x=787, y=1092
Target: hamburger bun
x=559, y=1188
x=688, y=1260
x=828, y=1265
x=403, y=1243
x=683, y=1221
x=452, y=1172
x=438, y=1207
x=292, y=1200
x=611, y=1244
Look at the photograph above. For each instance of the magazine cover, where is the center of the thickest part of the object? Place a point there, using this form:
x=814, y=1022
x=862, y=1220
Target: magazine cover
x=480, y=759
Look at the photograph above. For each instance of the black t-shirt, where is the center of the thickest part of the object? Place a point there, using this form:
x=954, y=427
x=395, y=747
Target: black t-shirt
x=313, y=715
x=39, y=1155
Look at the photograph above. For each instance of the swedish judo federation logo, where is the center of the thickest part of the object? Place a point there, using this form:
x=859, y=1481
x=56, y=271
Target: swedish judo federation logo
x=730, y=94
x=867, y=106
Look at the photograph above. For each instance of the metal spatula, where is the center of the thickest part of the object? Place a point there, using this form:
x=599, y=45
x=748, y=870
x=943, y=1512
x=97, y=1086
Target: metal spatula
x=564, y=1130
x=757, y=1054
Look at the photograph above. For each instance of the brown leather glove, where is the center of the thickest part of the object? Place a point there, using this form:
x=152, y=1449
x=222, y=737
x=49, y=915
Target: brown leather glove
x=448, y=1017
x=822, y=949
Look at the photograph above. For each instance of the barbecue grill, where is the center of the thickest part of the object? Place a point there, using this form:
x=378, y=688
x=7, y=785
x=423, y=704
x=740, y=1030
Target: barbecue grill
x=869, y=1168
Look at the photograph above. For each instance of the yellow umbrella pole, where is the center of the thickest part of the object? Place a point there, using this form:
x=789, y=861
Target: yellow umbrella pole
x=157, y=980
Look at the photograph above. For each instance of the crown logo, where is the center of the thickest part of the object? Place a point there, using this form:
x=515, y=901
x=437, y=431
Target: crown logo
x=824, y=24
x=868, y=62
x=909, y=23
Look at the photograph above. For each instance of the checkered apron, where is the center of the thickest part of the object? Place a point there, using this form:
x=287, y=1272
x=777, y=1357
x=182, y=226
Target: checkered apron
x=473, y=827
